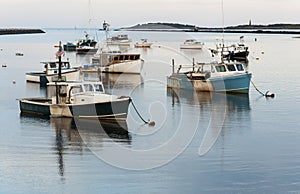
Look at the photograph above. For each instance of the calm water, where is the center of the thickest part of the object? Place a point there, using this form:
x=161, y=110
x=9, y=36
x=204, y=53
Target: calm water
x=258, y=144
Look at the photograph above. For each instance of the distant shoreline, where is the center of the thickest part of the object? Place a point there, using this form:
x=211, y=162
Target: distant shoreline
x=282, y=31
x=258, y=29
x=12, y=31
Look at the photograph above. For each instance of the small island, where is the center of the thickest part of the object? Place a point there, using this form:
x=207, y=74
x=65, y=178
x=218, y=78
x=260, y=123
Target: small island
x=11, y=31
x=248, y=28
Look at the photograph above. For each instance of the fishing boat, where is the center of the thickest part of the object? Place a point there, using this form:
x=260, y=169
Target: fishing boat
x=77, y=100
x=191, y=44
x=87, y=50
x=143, y=44
x=232, y=52
x=77, y=45
x=51, y=70
x=228, y=77
x=70, y=46
x=120, y=63
x=114, y=61
x=120, y=40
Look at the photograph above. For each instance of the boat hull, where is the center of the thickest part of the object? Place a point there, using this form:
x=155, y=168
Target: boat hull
x=196, y=46
x=240, y=55
x=35, y=106
x=116, y=109
x=239, y=83
x=69, y=47
x=86, y=51
x=43, y=79
x=132, y=67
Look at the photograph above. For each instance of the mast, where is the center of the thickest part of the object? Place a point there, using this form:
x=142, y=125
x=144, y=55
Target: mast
x=105, y=27
x=223, y=31
x=59, y=53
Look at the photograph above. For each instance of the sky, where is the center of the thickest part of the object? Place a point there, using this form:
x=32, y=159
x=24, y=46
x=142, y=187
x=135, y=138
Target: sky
x=125, y=13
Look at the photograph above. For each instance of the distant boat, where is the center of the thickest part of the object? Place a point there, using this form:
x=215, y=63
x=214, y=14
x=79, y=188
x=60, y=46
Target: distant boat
x=233, y=52
x=89, y=68
x=191, y=44
x=120, y=40
x=19, y=54
x=87, y=46
x=70, y=46
x=88, y=50
x=51, y=71
x=212, y=77
x=143, y=44
x=82, y=46
x=83, y=100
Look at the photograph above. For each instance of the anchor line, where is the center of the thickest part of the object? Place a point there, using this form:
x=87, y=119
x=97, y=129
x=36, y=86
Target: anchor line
x=257, y=89
x=138, y=112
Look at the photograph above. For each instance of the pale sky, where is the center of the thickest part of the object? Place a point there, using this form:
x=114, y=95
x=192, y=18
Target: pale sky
x=123, y=13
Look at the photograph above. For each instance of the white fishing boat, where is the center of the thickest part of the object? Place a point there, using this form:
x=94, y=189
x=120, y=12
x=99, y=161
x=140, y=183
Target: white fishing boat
x=114, y=61
x=191, y=44
x=119, y=62
x=143, y=44
x=211, y=77
x=51, y=70
x=120, y=40
x=77, y=100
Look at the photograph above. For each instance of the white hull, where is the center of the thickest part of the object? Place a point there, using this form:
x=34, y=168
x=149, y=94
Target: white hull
x=133, y=67
x=70, y=76
x=33, y=78
x=119, y=43
x=43, y=78
x=193, y=46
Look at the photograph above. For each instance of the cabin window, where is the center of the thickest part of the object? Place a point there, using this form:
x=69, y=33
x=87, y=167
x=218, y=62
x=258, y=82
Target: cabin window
x=88, y=87
x=98, y=88
x=77, y=89
x=231, y=67
x=53, y=65
x=240, y=67
x=221, y=68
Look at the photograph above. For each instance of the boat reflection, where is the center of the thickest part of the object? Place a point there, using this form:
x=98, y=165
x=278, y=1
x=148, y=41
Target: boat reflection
x=78, y=135
x=234, y=102
x=121, y=80
x=219, y=112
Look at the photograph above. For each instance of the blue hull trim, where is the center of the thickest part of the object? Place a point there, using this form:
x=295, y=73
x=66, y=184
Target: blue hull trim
x=234, y=84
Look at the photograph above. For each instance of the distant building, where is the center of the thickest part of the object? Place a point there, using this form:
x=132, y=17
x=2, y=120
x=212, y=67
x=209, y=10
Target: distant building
x=250, y=23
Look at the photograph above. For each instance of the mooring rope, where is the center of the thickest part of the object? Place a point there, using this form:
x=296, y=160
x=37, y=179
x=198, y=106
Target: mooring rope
x=267, y=94
x=146, y=122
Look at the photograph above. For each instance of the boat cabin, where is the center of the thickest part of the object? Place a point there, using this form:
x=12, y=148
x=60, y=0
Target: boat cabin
x=52, y=67
x=120, y=37
x=64, y=91
x=205, y=70
x=123, y=57
x=231, y=67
